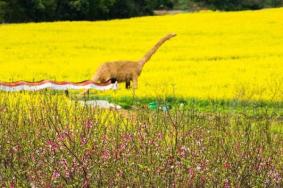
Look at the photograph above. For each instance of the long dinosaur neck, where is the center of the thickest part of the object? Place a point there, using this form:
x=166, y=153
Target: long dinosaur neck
x=149, y=54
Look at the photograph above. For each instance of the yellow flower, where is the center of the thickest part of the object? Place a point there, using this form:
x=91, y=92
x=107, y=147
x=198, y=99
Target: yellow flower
x=215, y=54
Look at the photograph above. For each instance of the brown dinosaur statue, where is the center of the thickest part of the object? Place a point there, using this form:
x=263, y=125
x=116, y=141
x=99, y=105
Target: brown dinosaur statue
x=126, y=71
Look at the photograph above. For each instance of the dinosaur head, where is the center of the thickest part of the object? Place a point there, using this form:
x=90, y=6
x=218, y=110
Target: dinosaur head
x=172, y=35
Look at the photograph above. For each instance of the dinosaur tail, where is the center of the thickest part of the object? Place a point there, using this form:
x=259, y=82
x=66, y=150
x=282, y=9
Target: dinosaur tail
x=149, y=54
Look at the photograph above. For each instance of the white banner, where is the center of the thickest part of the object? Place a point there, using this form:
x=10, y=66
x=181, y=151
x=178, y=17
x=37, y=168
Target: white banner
x=47, y=84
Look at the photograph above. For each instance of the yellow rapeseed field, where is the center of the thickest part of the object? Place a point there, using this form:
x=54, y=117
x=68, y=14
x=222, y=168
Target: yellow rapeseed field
x=215, y=55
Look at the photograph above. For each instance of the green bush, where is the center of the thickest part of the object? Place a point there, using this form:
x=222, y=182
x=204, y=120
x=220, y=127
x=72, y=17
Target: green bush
x=236, y=4
x=48, y=10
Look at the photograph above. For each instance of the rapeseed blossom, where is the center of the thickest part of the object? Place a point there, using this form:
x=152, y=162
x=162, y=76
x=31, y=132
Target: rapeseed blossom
x=215, y=54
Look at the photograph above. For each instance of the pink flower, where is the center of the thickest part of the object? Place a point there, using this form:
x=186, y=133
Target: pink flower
x=127, y=138
x=52, y=145
x=62, y=136
x=12, y=185
x=160, y=136
x=55, y=175
x=191, y=172
x=227, y=165
x=227, y=184
x=75, y=164
x=67, y=174
x=88, y=124
x=183, y=151
x=122, y=147
x=275, y=176
x=86, y=184
x=83, y=140
x=106, y=155
x=63, y=163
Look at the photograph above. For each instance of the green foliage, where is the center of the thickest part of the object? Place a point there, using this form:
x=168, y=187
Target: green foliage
x=49, y=10
x=164, y=4
x=2, y=10
x=233, y=4
x=45, y=10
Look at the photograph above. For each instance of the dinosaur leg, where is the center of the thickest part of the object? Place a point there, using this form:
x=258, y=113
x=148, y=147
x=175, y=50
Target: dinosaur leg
x=113, y=80
x=128, y=84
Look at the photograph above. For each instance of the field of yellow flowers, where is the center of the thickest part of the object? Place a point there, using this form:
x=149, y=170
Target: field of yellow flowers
x=215, y=54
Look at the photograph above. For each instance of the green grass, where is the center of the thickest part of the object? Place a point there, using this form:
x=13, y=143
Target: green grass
x=205, y=105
